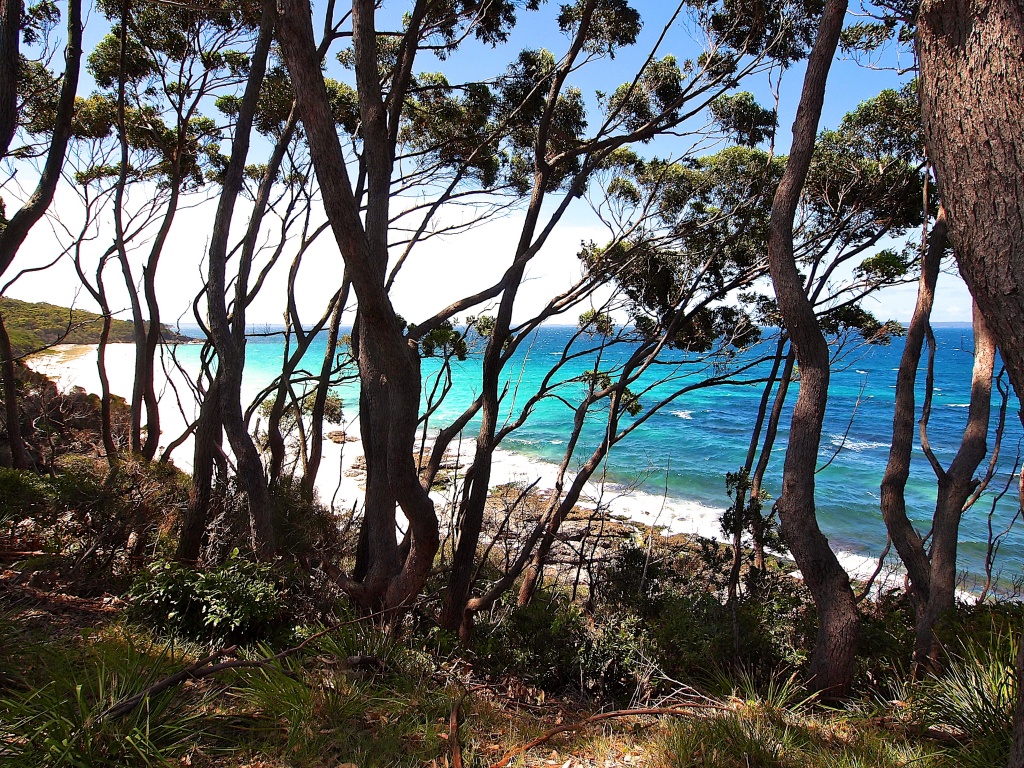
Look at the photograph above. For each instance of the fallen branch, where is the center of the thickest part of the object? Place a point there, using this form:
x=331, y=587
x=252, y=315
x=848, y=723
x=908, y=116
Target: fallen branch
x=678, y=711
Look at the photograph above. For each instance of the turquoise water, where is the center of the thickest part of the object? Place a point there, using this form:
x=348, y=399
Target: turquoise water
x=704, y=434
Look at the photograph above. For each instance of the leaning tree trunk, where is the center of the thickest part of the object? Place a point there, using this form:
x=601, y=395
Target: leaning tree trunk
x=229, y=335
x=831, y=667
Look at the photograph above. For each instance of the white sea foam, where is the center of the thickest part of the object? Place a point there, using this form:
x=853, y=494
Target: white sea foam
x=688, y=415
x=856, y=446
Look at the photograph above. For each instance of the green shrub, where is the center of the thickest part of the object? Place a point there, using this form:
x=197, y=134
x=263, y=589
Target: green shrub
x=974, y=696
x=239, y=600
x=551, y=643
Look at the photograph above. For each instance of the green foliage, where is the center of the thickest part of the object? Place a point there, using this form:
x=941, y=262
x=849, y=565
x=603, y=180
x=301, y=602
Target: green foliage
x=613, y=24
x=483, y=325
x=754, y=735
x=93, y=526
x=655, y=99
x=594, y=323
x=444, y=341
x=239, y=600
x=599, y=381
x=679, y=598
x=781, y=32
x=454, y=126
x=552, y=644
x=37, y=20
x=852, y=318
x=886, y=266
x=742, y=118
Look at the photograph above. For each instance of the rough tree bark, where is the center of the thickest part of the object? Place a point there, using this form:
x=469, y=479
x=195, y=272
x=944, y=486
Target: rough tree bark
x=10, y=64
x=972, y=86
x=831, y=666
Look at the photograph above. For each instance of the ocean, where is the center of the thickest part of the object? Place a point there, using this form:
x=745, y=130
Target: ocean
x=684, y=451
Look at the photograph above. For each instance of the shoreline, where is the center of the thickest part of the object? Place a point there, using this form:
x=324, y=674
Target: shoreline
x=338, y=482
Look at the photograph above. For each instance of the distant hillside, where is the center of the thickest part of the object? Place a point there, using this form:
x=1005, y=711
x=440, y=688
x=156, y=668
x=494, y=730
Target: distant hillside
x=33, y=326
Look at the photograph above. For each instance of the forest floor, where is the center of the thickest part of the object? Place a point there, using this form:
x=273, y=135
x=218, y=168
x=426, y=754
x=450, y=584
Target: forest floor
x=358, y=697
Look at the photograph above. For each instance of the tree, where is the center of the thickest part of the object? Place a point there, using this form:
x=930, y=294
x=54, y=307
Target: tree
x=831, y=667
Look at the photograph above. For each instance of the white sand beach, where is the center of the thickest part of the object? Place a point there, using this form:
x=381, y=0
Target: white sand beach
x=339, y=481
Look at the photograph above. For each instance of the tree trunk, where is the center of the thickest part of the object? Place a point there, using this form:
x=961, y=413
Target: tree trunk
x=389, y=364
x=10, y=67
x=908, y=543
x=19, y=225
x=757, y=522
x=316, y=448
x=955, y=486
x=831, y=666
x=972, y=86
x=17, y=228
x=209, y=436
x=229, y=335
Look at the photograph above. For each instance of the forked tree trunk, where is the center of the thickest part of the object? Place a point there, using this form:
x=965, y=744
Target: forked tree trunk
x=229, y=335
x=389, y=364
x=955, y=486
x=832, y=662
x=758, y=527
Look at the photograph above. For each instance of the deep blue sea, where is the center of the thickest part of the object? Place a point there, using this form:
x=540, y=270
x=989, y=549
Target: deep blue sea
x=704, y=434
